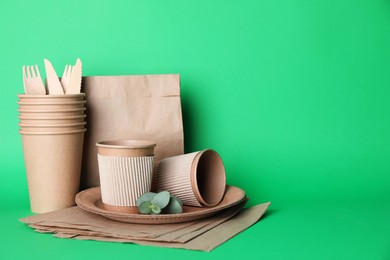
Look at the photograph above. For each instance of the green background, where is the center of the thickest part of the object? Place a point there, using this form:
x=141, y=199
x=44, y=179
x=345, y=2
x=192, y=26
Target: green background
x=293, y=94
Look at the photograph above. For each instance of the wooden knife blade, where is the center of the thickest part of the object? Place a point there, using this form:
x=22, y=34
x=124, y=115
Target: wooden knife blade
x=54, y=86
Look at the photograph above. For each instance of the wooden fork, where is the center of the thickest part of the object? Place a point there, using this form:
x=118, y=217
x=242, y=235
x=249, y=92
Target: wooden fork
x=65, y=80
x=32, y=81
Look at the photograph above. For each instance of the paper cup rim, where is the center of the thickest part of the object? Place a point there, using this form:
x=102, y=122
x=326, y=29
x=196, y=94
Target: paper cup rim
x=53, y=133
x=26, y=103
x=64, y=96
x=200, y=196
x=126, y=144
x=52, y=118
x=50, y=126
x=51, y=110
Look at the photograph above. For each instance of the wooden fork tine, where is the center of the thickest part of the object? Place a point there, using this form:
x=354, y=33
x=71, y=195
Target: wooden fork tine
x=28, y=72
x=38, y=73
x=33, y=72
x=24, y=77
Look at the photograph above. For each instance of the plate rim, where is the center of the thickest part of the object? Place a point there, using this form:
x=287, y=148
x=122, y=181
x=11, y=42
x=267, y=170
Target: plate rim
x=153, y=219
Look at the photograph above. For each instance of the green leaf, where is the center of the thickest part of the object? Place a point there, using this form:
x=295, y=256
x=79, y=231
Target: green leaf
x=145, y=197
x=145, y=207
x=161, y=199
x=155, y=209
x=174, y=206
x=176, y=198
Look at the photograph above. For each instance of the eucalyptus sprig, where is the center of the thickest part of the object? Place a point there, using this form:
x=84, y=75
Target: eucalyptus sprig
x=159, y=203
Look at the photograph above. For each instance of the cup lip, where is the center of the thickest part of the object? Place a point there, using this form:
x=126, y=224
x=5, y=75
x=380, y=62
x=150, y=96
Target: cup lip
x=126, y=144
x=26, y=103
x=65, y=96
x=51, y=118
x=51, y=110
x=53, y=133
x=50, y=126
x=194, y=175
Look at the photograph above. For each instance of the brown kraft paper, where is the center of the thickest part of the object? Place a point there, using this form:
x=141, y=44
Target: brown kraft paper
x=145, y=107
x=204, y=235
x=77, y=221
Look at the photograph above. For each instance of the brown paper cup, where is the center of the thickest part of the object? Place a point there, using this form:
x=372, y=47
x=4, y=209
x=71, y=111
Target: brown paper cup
x=51, y=98
x=51, y=105
x=52, y=120
x=198, y=178
x=125, y=172
x=53, y=165
x=51, y=113
x=52, y=128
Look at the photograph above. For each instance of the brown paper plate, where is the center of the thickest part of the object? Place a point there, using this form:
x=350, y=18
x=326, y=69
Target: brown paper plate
x=90, y=200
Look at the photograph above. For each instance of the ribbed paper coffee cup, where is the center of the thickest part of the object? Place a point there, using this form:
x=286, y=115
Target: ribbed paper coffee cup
x=53, y=165
x=198, y=178
x=124, y=179
x=125, y=171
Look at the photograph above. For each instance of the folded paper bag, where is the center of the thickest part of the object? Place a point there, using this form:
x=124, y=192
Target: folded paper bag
x=145, y=107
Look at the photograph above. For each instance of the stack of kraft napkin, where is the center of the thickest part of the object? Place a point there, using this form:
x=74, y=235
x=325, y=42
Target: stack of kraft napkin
x=204, y=235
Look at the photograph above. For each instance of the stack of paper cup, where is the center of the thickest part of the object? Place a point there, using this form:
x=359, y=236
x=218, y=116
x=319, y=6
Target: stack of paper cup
x=52, y=129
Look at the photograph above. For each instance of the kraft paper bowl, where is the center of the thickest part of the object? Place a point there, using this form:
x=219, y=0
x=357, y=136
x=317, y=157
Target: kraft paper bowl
x=52, y=120
x=52, y=128
x=51, y=105
x=198, y=178
x=51, y=98
x=51, y=113
x=125, y=172
x=53, y=166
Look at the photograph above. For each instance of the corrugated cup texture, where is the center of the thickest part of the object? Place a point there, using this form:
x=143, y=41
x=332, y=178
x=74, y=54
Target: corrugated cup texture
x=174, y=175
x=198, y=178
x=124, y=179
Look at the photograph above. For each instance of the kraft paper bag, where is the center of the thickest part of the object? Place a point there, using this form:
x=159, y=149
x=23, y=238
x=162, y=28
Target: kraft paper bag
x=145, y=107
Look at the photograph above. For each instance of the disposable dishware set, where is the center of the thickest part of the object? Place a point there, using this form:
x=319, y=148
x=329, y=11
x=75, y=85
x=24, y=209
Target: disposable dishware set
x=148, y=192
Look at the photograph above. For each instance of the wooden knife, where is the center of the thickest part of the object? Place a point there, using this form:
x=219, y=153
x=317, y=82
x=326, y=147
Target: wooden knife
x=53, y=84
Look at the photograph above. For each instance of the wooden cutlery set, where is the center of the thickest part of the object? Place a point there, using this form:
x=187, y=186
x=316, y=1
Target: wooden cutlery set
x=69, y=83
